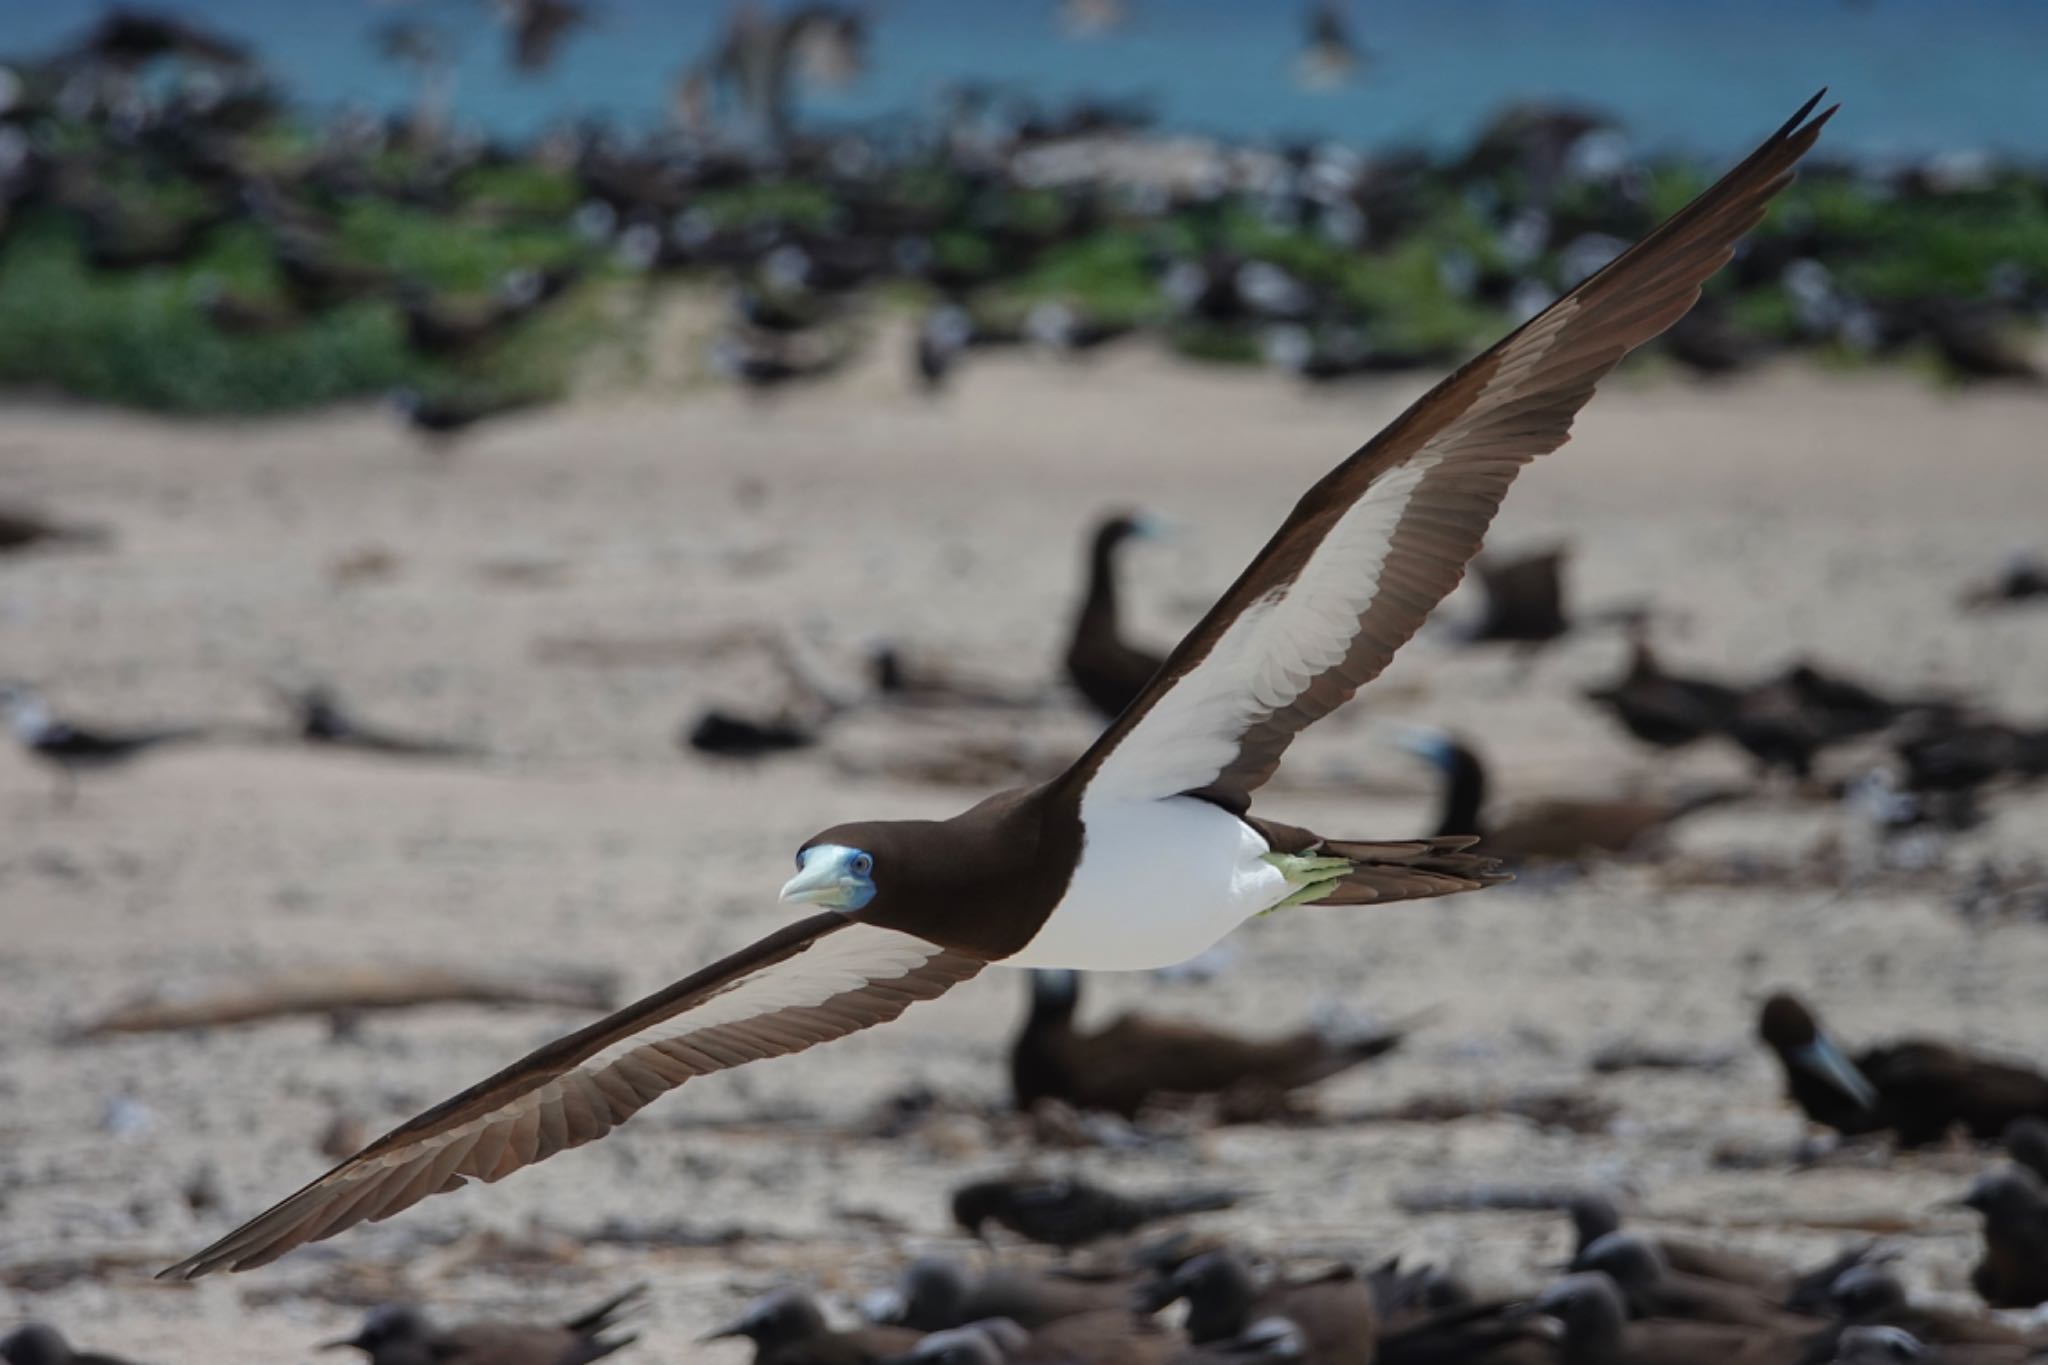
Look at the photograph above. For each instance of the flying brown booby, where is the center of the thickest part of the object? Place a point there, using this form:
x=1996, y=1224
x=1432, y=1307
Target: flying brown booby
x=1143, y=853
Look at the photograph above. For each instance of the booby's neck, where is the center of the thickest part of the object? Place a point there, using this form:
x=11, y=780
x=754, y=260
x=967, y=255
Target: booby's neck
x=1464, y=792
x=1099, y=607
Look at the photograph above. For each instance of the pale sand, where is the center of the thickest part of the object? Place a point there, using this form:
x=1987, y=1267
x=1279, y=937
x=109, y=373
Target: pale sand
x=1786, y=514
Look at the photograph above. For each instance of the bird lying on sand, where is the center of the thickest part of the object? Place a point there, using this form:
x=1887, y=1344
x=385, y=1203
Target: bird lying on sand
x=1552, y=829
x=1144, y=852
x=938, y=1293
x=398, y=1335
x=1072, y=1213
x=1802, y=1289
x=71, y=749
x=1916, y=1088
x=1135, y=1061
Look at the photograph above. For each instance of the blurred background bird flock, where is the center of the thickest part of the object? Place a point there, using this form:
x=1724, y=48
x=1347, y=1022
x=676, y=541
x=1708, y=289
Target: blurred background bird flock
x=443, y=562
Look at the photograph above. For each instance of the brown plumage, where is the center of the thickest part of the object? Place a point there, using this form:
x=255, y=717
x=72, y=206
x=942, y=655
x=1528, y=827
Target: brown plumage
x=1802, y=1289
x=2014, y=1270
x=1668, y=710
x=1653, y=1289
x=1336, y=1314
x=401, y=1336
x=1921, y=1088
x=1105, y=668
x=1870, y=1295
x=1524, y=597
x=1597, y=1331
x=1550, y=829
x=1069, y=1212
x=1136, y=1061
x=939, y=1293
x=915, y=907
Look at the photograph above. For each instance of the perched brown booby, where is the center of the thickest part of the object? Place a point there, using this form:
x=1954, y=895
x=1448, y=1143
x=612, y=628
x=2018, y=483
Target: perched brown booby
x=788, y=1328
x=1336, y=1314
x=1598, y=1331
x=1143, y=853
x=1070, y=1212
x=1916, y=1088
x=938, y=1293
x=1668, y=710
x=2013, y=1272
x=1803, y=1290
x=1108, y=670
x=1653, y=1289
x=1137, y=1061
x=1524, y=597
x=397, y=1335
x=1555, y=829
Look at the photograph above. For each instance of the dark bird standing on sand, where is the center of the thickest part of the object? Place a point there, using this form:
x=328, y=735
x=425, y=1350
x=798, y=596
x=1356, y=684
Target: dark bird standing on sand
x=1524, y=598
x=321, y=719
x=1551, y=829
x=1106, y=668
x=36, y=1343
x=1137, y=1061
x=2026, y=1142
x=1069, y=1212
x=439, y=419
x=1336, y=1314
x=788, y=1328
x=1668, y=710
x=1916, y=1088
x=1144, y=852
x=398, y=1335
x=74, y=749
x=727, y=734
x=939, y=1293
x=2014, y=1270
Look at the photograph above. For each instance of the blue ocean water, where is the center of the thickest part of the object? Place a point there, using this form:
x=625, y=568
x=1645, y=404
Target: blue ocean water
x=1705, y=76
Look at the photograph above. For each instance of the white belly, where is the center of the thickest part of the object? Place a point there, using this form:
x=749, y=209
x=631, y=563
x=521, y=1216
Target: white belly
x=1159, y=882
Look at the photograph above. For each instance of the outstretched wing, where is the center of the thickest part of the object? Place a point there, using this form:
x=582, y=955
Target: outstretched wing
x=1371, y=549
x=816, y=980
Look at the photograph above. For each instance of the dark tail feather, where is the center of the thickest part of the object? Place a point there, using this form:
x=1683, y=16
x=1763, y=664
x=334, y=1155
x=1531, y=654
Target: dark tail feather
x=1410, y=869
x=604, y=1317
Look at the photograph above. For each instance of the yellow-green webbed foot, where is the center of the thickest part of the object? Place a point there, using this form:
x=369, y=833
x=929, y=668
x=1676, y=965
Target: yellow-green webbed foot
x=1310, y=875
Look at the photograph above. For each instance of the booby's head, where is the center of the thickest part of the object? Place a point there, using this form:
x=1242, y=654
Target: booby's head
x=25, y=711
x=1118, y=527
x=1432, y=744
x=1628, y=1260
x=1805, y=1049
x=836, y=876
x=2008, y=1198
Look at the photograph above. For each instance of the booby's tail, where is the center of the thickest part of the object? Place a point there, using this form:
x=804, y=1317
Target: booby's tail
x=1342, y=872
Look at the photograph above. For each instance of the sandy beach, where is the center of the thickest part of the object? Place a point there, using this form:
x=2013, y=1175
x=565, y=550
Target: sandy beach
x=566, y=589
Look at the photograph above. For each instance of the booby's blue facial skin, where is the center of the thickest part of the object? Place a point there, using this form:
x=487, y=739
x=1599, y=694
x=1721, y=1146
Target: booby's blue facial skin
x=1427, y=743
x=832, y=875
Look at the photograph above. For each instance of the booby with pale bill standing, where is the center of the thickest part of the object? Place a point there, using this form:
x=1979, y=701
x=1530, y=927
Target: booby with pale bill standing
x=1144, y=852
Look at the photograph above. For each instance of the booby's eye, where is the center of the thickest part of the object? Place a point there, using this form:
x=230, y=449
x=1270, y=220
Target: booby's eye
x=862, y=864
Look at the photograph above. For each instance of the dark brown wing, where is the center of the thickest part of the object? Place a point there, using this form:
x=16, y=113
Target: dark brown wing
x=1379, y=541
x=816, y=980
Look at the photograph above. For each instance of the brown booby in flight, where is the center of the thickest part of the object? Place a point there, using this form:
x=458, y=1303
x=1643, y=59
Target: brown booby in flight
x=1142, y=853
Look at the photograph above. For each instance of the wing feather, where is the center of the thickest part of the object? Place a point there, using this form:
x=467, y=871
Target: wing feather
x=1371, y=549
x=814, y=981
